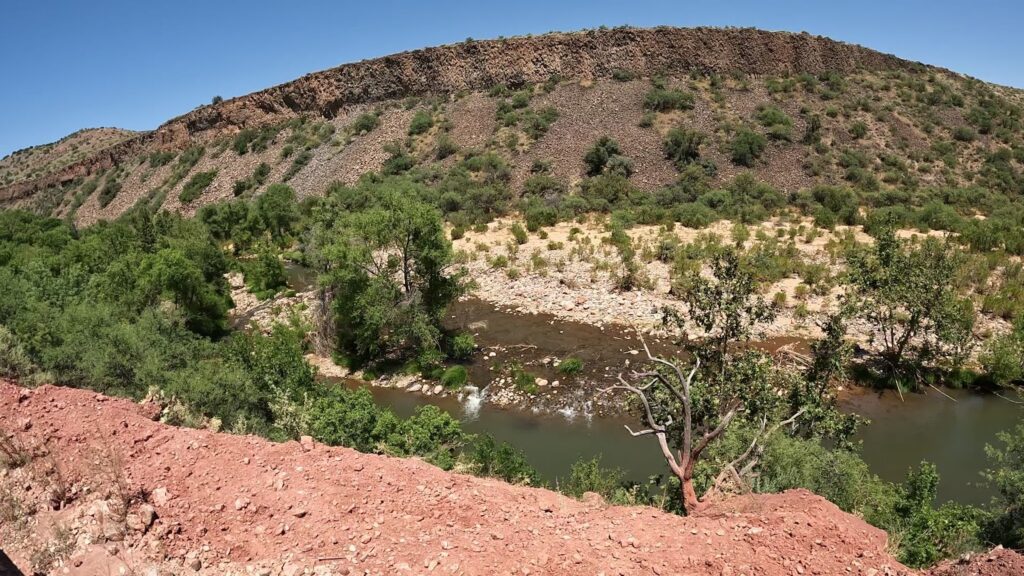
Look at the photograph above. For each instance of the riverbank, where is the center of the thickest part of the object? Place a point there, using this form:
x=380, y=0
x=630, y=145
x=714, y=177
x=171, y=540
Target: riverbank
x=904, y=431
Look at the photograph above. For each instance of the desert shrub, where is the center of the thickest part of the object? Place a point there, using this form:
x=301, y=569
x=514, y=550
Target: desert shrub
x=422, y=121
x=746, y=147
x=158, y=159
x=365, y=122
x=964, y=134
x=858, y=130
x=682, y=146
x=258, y=178
x=621, y=75
x=254, y=139
x=778, y=124
x=695, y=215
x=446, y=147
x=665, y=100
x=596, y=158
x=398, y=161
x=298, y=163
x=195, y=187
x=536, y=123
x=519, y=234
x=109, y=192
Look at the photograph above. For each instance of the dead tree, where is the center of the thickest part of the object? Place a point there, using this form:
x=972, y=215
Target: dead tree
x=682, y=443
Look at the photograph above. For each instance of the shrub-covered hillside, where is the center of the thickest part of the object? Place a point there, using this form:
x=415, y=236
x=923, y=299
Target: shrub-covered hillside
x=896, y=132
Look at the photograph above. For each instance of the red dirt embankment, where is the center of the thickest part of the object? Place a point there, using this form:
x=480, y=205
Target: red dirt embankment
x=233, y=504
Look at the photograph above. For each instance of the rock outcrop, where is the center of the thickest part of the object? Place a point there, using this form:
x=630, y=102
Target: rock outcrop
x=476, y=65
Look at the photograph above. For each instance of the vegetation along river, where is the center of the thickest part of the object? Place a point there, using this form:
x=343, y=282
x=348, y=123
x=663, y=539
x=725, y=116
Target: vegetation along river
x=948, y=431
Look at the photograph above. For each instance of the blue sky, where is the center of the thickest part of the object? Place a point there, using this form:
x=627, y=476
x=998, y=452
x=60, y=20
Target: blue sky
x=136, y=63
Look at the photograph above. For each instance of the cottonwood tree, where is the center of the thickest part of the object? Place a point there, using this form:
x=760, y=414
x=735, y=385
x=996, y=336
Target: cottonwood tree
x=907, y=291
x=389, y=267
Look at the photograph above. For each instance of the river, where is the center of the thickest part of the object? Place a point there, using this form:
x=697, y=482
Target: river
x=952, y=433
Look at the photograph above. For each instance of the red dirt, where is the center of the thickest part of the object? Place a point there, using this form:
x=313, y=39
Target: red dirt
x=997, y=562
x=238, y=503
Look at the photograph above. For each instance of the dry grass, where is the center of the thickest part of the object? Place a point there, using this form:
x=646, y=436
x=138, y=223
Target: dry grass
x=13, y=452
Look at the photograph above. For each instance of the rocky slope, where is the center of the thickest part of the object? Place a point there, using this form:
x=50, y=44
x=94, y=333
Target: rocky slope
x=595, y=80
x=103, y=486
x=41, y=161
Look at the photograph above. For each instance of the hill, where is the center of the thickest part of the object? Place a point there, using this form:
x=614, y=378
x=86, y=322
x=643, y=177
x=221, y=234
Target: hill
x=828, y=112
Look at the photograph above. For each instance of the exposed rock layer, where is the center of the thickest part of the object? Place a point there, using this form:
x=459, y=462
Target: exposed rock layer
x=474, y=65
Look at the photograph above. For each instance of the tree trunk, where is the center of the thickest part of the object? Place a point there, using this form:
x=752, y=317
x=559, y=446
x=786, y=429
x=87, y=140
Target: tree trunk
x=690, y=500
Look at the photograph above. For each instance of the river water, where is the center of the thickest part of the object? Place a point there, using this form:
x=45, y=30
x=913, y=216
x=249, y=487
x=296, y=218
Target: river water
x=951, y=433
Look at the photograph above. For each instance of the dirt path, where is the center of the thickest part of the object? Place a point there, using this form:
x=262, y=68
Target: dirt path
x=229, y=504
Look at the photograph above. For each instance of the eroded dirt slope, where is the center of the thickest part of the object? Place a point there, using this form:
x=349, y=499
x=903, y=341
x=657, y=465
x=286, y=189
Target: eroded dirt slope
x=220, y=504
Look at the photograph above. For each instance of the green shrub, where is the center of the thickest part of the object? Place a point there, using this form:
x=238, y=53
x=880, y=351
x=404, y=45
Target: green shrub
x=589, y=476
x=195, y=187
x=1006, y=476
x=779, y=125
x=14, y=360
x=537, y=122
x=665, y=100
x=365, y=122
x=621, y=75
x=158, y=159
x=446, y=147
x=455, y=377
x=422, y=121
x=264, y=274
x=570, y=366
x=524, y=381
x=964, y=134
x=488, y=458
x=682, y=146
x=462, y=346
x=109, y=192
x=746, y=147
x=298, y=163
x=858, y=130
x=519, y=234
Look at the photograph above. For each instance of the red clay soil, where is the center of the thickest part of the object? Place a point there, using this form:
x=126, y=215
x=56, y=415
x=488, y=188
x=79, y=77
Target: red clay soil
x=997, y=562
x=240, y=504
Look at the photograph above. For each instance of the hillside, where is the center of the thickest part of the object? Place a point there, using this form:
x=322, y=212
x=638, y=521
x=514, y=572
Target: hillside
x=836, y=113
x=38, y=162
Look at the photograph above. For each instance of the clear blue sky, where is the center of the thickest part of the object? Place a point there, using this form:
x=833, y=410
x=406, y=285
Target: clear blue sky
x=74, y=64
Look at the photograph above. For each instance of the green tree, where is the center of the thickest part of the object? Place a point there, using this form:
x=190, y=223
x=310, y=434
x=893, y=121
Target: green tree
x=1006, y=475
x=264, y=274
x=278, y=211
x=388, y=267
x=906, y=291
